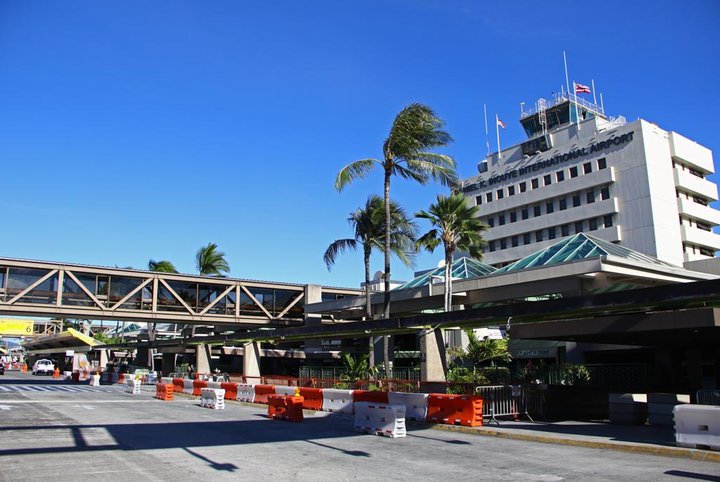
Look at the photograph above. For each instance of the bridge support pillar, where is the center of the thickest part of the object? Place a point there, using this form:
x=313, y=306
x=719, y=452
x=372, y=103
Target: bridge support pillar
x=202, y=358
x=432, y=356
x=251, y=361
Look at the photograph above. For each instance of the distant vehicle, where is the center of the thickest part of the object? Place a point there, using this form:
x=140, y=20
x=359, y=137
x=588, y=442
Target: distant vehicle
x=43, y=366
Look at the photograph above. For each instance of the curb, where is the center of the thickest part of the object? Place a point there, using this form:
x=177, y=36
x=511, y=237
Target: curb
x=693, y=454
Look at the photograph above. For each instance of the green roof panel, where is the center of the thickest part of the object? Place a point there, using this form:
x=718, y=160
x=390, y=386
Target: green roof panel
x=462, y=268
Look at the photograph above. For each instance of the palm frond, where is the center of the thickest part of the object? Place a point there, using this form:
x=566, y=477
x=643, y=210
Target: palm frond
x=336, y=248
x=354, y=170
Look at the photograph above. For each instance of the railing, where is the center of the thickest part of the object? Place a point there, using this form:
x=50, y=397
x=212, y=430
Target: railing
x=707, y=397
x=559, y=98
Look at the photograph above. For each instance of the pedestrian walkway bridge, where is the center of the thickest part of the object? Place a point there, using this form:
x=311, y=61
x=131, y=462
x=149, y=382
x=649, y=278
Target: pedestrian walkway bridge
x=39, y=288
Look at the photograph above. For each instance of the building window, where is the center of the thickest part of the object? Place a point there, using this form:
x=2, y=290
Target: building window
x=590, y=197
x=602, y=164
x=478, y=200
x=501, y=220
x=534, y=183
x=587, y=168
x=551, y=233
x=563, y=204
x=488, y=197
x=503, y=243
x=536, y=210
x=500, y=194
x=565, y=230
x=514, y=241
x=491, y=222
x=560, y=176
x=607, y=220
x=574, y=171
x=593, y=224
x=579, y=227
x=526, y=238
x=547, y=180
x=538, y=236
x=523, y=186
x=576, y=200
x=524, y=213
x=549, y=207
x=513, y=216
x=605, y=193
x=511, y=190
x=491, y=245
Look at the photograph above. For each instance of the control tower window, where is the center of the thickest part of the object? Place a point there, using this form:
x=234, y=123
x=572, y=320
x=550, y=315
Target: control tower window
x=602, y=164
x=478, y=200
x=560, y=176
x=574, y=171
x=488, y=197
x=587, y=168
x=523, y=186
x=534, y=183
x=500, y=194
x=547, y=180
x=511, y=190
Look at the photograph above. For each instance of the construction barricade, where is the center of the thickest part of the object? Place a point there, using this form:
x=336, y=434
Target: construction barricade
x=133, y=386
x=94, y=380
x=164, y=391
x=178, y=385
x=198, y=385
x=697, y=426
x=211, y=384
x=286, y=390
x=262, y=392
x=212, y=398
x=245, y=393
x=230, y=388
x=335, y=400
x=312, y=398
x=283, y=407
x=374, y=396
x=387, y=420
x=416, y=404
x=187, y=386
x=466, y=410
x=166, y=380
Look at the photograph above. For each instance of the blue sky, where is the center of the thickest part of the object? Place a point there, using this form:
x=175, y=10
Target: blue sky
x=134, y=130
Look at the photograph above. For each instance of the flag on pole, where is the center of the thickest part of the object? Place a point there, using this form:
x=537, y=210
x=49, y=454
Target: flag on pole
x=581, y=89
x=500, y=123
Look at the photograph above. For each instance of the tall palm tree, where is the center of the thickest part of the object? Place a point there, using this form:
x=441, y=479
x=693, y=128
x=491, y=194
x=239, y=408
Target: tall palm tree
x=162, y=266
x=368, y=224
x=211, y=262
x=405, y=153
x=457, y=226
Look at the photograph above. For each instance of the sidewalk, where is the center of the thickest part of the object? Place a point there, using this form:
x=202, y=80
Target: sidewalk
x=649, y=439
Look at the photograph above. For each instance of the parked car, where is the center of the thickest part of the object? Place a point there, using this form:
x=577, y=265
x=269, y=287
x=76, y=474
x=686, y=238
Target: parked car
x=43, y=366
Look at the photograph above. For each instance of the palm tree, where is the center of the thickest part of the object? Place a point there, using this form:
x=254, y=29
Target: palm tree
x=457, y=226
x=487, y=349
x=369, y=228
x=211, y=262
x=415, y=130
x=162, y=266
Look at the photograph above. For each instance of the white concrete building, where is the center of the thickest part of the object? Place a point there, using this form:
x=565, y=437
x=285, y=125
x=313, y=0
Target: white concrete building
x=631, y=183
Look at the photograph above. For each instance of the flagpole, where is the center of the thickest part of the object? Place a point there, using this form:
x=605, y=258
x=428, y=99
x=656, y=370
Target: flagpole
x=567, y=82
x=592, y=82
x=497, y=130
x=567, y=79
x=487, y=138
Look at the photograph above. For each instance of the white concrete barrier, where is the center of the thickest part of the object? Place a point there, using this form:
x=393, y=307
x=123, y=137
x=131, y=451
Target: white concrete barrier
x=335, y=400
x=245, y=393
x=416, y=404
x=697, y=426
x=166, y=380
x=133, y=386
x=188, y=386
x=383, y=419
x=213, y=384
x=94, y=380
x=285, y=390
x=212, y=398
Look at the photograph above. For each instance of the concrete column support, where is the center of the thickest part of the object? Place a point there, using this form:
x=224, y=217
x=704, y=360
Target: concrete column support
x=202, y=358
x=313, y=294
x=168, y=363
x=432, y=354
x=251, y=361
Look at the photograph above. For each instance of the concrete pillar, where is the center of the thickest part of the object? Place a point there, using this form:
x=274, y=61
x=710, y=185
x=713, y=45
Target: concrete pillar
x=202, y=358
x=168, y=363
x=103, y=359
x=251, y=361
x=432, y=356
x=313, y=294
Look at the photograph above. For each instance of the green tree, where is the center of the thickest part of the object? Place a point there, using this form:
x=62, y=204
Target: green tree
x=211, y=262
x=487, y=350
x=456, y=226
x=368, y=224
x=162, y=266
x=416, y=129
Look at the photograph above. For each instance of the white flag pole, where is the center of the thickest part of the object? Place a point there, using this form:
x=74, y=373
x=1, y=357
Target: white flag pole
x=567, y=82
x=497, y=130
x=567, y=79
x=487, y=138
x=592, y=82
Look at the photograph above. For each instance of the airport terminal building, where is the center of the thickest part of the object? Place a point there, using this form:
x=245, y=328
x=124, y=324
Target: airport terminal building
x=580, y=171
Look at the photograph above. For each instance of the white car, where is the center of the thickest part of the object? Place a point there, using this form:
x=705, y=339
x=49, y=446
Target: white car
x=43, y=366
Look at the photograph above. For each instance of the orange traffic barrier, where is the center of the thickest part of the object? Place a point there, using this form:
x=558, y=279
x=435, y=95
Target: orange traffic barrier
x=455, y=409
x=373, y=396
x=24, y=368
x=198, y=385
x=164, y=391
x=284, y=407
x=262, y=392
x=56, y=373
x=230, y=390
x=178, y=385
x=312, y=398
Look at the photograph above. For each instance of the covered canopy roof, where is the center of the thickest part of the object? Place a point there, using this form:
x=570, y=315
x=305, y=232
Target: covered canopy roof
x=463, y=268
x=67, y=340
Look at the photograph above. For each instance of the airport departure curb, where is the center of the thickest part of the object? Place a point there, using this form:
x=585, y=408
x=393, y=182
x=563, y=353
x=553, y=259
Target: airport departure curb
x=693, y=454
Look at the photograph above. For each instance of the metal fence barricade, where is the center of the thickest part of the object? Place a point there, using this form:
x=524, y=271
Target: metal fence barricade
x=707, y=397
x=508, y=401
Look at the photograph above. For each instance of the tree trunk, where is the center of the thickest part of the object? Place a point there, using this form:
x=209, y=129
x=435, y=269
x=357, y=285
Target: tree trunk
x=448, y=280
x=386, y=301
x=368, y=305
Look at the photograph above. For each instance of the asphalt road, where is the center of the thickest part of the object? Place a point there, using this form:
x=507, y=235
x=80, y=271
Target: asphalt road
x=53, y=430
